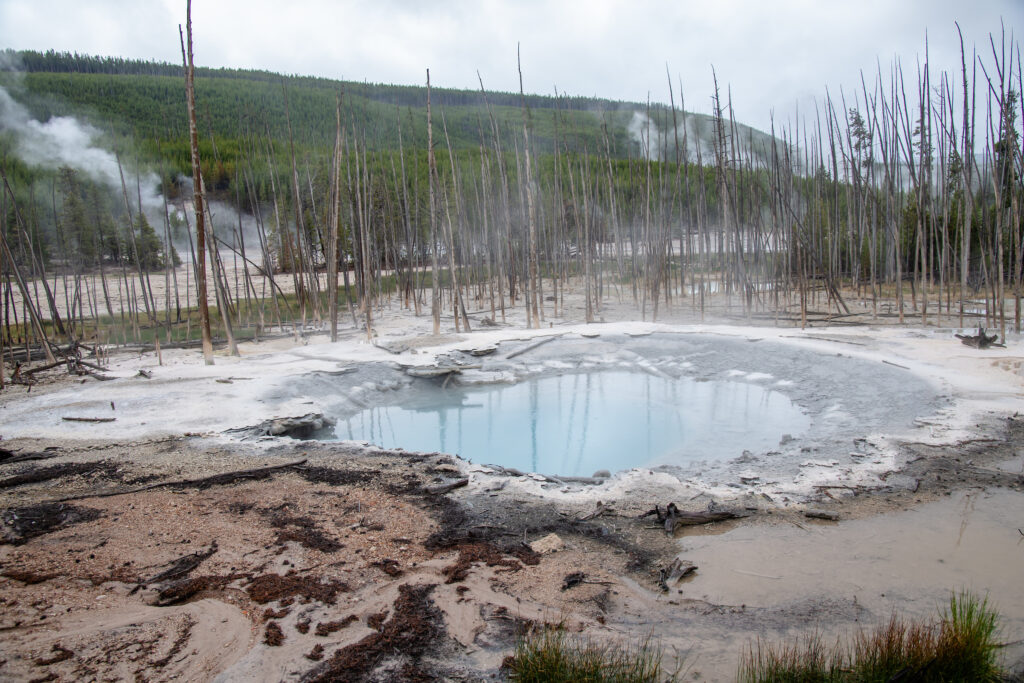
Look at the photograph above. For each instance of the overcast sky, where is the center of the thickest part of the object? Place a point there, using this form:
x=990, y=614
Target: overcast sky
x=772, y=53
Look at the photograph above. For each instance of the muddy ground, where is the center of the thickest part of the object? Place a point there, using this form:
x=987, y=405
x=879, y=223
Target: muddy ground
x=184, y=558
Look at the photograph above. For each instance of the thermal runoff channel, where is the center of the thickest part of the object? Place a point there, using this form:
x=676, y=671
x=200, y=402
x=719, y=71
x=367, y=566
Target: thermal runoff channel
x=581, y=423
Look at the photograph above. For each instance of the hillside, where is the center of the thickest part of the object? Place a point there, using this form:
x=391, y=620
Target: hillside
x=146, y=99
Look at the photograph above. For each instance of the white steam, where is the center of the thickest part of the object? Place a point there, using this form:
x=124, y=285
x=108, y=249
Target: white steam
x=696, y=133
x=66, y=141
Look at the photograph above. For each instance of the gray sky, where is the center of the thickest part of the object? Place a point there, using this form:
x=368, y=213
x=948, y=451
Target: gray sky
x=772, y=53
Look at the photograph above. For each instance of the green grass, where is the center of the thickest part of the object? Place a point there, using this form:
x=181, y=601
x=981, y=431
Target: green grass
x=959, y=646
x=549, y=655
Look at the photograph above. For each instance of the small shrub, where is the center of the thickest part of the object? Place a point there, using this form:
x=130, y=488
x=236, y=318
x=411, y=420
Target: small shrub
x=967, y=646
x=550, y=656
x=802, y=661
x=960, y=646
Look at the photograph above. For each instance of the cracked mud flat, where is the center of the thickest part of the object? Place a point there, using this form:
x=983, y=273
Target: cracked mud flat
x=338, y=563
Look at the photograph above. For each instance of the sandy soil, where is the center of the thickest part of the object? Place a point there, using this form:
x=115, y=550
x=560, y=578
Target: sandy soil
x=124, y=554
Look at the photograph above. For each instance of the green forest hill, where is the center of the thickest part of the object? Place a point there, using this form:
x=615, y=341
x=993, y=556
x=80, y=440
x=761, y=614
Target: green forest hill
x=146, y=101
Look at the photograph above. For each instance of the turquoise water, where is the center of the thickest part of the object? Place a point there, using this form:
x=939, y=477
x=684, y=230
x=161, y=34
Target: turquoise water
x=574, y=425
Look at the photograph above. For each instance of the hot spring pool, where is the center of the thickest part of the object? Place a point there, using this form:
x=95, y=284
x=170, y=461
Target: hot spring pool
x=577, y=424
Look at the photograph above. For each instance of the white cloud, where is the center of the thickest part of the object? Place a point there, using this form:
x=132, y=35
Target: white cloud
x=773, y=54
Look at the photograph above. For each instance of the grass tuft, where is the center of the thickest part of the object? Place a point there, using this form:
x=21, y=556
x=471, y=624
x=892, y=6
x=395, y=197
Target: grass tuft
x=548, y=655
x=806, y=660
x=959, y=646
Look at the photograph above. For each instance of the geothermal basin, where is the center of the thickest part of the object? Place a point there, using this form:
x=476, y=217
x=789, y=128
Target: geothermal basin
x=580, y=423
x=713, y=410
x=687, y=404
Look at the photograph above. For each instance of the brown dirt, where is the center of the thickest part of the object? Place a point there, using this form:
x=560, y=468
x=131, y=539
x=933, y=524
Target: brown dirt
x=271, y=613
x=326, y=628
x=272, y=587
x=344, y=525
x=472, y=553
x=302, y=530
x=415, y=627
x=273, y=635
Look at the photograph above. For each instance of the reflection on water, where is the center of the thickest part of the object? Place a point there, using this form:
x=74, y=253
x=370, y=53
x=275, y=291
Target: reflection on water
x=574, y=425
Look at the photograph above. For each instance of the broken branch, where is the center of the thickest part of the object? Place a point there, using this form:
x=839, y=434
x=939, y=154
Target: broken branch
x=441, y=489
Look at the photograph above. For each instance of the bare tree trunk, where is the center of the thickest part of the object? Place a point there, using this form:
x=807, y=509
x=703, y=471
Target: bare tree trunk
x=435, y=292
x=533, y=314
x=332, y=227
x=197, y=184
x=459, y=304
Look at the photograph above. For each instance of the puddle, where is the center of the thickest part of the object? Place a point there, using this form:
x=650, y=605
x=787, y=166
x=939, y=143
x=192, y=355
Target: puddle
x=909, y=560
x=1014, y=465
x=576, y=424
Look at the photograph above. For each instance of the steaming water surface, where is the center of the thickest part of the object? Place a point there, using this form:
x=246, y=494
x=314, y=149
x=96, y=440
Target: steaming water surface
x=576, y=424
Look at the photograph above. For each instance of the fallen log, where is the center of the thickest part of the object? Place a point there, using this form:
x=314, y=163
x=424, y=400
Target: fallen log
x=981, y=340
x=822, y=514
x=96, y=375
x=300, y=427
x=532, y=346
x=673, y=517
x=441, y=489
x=201, y=483
x=674, y=572
x=90, y=365
x=40, y=368
x=432, y=371
x=88, y=419
x=7, y=457
x=599, y=510
x=181, y=567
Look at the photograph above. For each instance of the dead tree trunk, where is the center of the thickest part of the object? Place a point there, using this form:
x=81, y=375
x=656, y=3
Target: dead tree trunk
x=204, y=310
x=435, y=293
x=533, y=310
x=332, y=227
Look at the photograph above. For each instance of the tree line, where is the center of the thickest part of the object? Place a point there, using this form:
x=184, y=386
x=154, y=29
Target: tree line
x=905, y=195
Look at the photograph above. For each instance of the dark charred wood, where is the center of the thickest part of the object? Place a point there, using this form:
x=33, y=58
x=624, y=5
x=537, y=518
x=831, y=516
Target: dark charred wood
x=599, y=510
x=441, y=489
x=572, y=580
x=674, y=572
x=203, y=483
x=184, y=566
x=10, y=457
x=673, y=517
x=980, y=340
x=822, y=514
x=302, y=427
